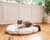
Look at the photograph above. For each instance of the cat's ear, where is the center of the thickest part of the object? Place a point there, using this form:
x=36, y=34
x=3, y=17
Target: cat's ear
x=21, y=20
x=18, y=20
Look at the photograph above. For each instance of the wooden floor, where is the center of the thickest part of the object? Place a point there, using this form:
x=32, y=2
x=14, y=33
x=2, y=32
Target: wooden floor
x=44, y=34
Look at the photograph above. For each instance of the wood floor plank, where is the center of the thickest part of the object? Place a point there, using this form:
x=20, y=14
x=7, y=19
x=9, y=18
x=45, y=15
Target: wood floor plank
x=2, y=32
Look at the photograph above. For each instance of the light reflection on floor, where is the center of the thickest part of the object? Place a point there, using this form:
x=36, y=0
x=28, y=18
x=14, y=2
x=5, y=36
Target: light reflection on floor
x=35, y=38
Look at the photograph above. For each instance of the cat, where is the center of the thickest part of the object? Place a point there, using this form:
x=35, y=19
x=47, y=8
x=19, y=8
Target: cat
x=24, y=23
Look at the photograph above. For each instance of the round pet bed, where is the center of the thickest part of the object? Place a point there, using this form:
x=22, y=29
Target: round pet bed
x=14, y=29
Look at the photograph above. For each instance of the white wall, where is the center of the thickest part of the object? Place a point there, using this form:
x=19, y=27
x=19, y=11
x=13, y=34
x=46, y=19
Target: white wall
x=11, y=12
x=0, y=0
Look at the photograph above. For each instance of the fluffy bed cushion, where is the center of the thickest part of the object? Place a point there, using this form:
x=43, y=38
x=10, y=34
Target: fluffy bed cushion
x=14, y=29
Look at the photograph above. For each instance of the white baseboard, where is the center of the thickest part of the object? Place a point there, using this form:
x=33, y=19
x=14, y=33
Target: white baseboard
x=15, y=22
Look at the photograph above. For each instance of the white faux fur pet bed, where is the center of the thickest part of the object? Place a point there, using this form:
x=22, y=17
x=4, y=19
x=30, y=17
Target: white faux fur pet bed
x=14, y=29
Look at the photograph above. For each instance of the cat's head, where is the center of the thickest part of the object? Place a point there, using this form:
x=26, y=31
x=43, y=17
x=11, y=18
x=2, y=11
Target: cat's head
x=19, y=21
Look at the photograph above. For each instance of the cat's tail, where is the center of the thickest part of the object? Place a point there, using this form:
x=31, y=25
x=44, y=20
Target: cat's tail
x=39, y=28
